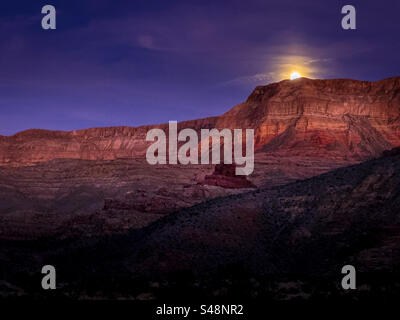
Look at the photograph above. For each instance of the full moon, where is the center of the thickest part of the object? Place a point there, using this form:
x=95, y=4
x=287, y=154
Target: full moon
x=294, y=75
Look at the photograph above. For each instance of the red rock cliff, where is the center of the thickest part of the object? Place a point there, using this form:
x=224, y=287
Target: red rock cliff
x=343, y=118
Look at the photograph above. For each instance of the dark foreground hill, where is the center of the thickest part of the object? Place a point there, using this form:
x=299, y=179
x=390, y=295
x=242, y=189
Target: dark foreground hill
x=348, y=216
x=286, y=242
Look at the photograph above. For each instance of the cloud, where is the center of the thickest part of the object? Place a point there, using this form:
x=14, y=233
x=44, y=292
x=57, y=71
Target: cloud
x=281, y=66
x=146, y=41
x=259, y=78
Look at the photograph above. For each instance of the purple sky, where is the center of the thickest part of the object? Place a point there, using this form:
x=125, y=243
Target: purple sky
x=136, y=62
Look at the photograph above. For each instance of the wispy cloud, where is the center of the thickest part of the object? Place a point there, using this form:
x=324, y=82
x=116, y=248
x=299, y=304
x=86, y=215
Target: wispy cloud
x=258, y=78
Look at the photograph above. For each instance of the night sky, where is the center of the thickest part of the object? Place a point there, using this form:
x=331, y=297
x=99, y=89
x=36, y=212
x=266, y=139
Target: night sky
x=113, y=63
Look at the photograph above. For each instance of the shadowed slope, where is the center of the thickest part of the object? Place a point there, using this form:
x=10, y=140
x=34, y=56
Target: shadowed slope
x=350, y=215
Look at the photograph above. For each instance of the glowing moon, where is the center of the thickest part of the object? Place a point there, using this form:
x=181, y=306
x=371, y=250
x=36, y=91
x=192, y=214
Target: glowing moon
x=294, y=75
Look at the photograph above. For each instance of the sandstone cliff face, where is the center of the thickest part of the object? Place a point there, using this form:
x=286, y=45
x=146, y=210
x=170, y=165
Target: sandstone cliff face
x=341, y=118
x=346, y=118
x=109, y=143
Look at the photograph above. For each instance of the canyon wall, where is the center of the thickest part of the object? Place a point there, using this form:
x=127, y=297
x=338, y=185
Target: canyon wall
x=338, y=119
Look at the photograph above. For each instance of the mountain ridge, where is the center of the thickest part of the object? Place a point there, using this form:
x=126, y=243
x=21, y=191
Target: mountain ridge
x=315, y=108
